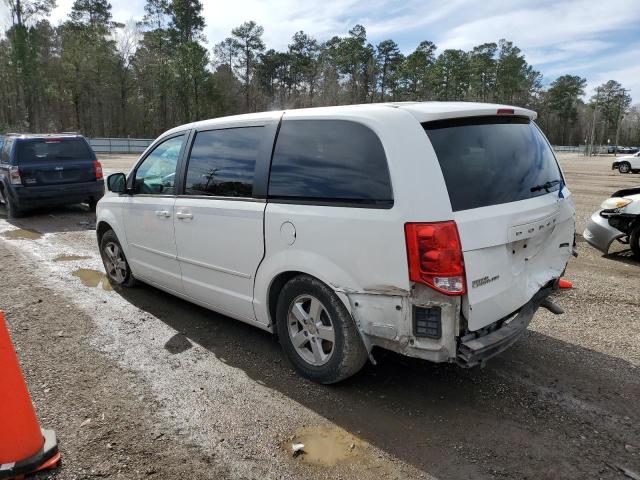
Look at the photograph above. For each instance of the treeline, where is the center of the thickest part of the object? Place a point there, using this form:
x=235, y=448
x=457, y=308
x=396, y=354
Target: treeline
x=93, y=75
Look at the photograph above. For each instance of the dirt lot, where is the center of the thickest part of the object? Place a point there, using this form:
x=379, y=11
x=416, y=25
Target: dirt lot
x=141, y=385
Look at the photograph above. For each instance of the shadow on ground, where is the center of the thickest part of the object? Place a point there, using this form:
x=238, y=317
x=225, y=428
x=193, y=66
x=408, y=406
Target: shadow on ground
x=69, y=218
x=624, y=256
x=531, y=413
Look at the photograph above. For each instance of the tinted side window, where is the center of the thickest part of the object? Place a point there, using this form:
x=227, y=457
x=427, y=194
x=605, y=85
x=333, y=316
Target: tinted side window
x=222, y=162
x=6, y=147
x=331, y=161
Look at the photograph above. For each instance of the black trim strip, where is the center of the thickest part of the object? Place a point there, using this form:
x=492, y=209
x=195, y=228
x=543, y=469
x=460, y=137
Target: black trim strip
x=483, y=120
x=334, y=202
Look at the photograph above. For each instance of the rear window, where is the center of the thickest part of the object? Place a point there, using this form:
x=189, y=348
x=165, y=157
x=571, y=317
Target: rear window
x=330, y=161
x=493, y=160
x=44, y=149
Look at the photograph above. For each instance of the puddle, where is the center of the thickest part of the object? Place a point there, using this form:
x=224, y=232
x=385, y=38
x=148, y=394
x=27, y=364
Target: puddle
x=93, y=278
x=22, y=234
x=327, y=445
x=69, y=258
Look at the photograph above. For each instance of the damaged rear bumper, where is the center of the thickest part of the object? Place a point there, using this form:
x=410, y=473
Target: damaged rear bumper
x=478, y=349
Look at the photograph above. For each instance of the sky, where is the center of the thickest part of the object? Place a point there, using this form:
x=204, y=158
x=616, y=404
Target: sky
x=595, y=39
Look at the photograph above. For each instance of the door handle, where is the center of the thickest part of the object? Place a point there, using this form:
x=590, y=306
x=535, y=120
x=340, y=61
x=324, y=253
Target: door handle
x=184, y=215
x=163, y=213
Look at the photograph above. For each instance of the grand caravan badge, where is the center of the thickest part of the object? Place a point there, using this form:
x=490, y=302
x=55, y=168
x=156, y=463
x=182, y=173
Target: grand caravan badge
x=479, y=282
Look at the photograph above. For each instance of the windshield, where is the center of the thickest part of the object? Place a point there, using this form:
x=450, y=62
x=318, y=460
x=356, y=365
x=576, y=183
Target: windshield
x=54, y=149
x=493, y=160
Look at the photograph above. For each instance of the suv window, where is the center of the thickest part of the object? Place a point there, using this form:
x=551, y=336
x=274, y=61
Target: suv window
x=52, y=149
x=222, y=162
x=156, y=175
x=492, y=160
x=330, y=161
x=4, y=153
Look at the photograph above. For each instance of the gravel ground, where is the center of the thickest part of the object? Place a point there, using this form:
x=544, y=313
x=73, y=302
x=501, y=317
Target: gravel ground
x=138, y=384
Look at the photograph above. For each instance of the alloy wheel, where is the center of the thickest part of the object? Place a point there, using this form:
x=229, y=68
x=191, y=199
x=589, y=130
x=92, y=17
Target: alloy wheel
x=311, y=330
x=114, y=262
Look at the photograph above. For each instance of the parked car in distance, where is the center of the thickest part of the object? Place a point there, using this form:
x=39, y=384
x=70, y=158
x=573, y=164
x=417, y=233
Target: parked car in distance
x=38, y=170
x=627, y=164
x=618, y=219
x=435, y=230
x=626, y=150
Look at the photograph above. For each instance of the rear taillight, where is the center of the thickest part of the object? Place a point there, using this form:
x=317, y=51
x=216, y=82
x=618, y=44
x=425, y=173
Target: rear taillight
x=98, y=167
x=14, y=176
x=435, y=256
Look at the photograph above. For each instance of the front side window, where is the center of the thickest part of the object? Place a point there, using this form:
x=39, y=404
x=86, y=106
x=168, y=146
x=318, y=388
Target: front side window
x=222, y=162
x=334, y=161
x=156, y=175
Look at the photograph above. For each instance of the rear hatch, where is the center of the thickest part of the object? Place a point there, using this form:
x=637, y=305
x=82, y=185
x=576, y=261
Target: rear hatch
x=54, y=161
x=513, y=211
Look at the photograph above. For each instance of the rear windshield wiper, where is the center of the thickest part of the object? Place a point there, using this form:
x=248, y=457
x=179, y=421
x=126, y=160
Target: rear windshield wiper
x=546, y=186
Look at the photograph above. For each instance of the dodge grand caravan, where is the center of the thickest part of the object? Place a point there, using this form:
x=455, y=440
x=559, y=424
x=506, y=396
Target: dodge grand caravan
x=432, y=229
x=48, y=169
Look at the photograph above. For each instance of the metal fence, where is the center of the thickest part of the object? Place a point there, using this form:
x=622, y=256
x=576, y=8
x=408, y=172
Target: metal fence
x=569, y=148
x=119, y=145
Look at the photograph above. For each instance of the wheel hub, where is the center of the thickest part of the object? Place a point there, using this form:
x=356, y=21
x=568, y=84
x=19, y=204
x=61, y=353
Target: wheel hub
x=311, y=330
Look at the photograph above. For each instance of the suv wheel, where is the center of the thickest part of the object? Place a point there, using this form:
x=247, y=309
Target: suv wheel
x=624, y=167
x=316, y=331
x=92, y=202
x=634, y=241
x=115, y=263
x=13, y=211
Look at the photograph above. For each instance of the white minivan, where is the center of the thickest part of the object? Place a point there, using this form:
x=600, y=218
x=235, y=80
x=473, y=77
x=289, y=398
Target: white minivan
x=435, y=230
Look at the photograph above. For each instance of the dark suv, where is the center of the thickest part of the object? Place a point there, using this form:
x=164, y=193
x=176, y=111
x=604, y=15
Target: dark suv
x=46, y=170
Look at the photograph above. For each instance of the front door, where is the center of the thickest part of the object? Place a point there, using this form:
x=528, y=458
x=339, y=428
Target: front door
x=218, y=222
x=148, y=216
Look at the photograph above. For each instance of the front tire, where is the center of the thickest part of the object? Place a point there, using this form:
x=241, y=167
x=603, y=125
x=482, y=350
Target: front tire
x=317, y=332
x=115, y=262
x=624, y=167
x=634, y=241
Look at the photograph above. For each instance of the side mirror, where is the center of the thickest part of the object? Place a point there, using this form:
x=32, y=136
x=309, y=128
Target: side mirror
x=117, y=183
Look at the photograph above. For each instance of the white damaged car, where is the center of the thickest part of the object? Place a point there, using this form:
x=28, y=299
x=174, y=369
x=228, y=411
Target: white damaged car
x=432, y=229
x=618, y=219
x=627, y=164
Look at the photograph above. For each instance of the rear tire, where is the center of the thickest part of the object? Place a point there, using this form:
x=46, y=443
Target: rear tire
x=13, y=211
x=328, y=347
x=115, y=262
x=634, y=241
x=92, y=202
x=624, y=167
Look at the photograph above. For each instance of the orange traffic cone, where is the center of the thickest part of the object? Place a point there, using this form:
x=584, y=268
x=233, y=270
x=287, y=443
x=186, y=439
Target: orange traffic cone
x=24, y=447
x=564, y=283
